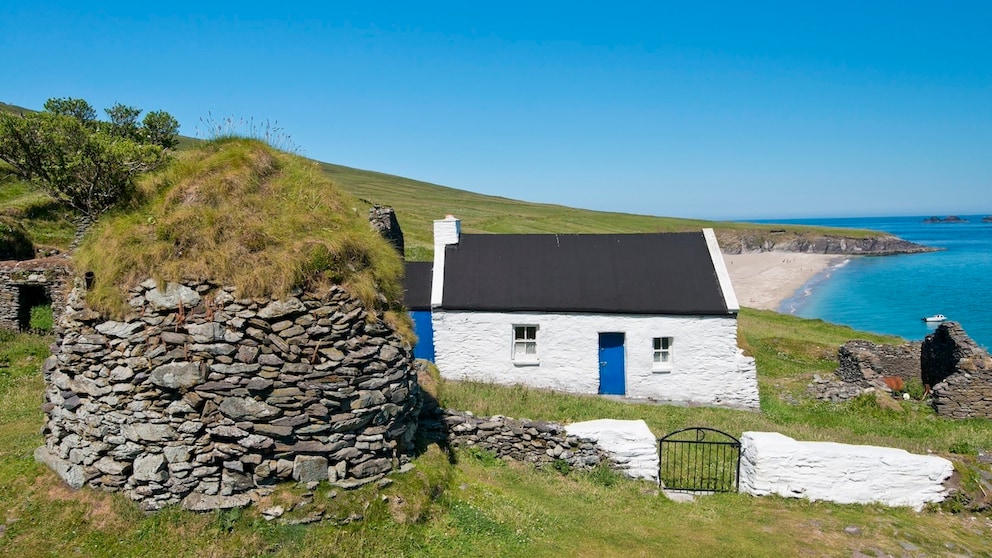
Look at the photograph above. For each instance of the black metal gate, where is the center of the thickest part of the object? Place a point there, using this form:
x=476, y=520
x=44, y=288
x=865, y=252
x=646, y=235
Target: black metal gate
x=700, y=459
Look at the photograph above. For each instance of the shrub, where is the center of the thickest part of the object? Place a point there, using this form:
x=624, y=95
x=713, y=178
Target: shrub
x=42, y=318
x=83, y=163
x=561, y=466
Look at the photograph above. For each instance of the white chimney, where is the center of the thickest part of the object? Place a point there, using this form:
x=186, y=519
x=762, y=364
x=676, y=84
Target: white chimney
x=446, y=232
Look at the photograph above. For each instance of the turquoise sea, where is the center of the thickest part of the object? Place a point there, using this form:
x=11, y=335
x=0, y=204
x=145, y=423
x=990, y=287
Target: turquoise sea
x=891, y=294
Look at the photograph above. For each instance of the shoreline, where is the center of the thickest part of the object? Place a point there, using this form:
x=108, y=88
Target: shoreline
x=764, y=280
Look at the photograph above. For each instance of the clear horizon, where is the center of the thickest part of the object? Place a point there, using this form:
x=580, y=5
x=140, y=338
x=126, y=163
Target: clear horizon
x=720, y=111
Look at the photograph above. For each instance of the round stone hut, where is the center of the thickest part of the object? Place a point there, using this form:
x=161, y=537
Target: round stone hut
x=238, y=329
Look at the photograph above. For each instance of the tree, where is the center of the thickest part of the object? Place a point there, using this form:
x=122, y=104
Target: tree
x=84, y=163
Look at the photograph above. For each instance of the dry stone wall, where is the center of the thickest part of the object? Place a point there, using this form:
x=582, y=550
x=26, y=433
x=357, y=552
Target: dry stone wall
x=201, y=398
x=866, y=367
x=866, y=363
x=536, y=442
x=959, y=373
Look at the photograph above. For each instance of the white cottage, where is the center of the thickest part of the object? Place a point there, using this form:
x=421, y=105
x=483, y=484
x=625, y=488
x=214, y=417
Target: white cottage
x=649, y=316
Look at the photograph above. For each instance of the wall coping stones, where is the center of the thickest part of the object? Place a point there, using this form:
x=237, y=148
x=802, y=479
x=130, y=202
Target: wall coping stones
x=630, y=444
x=772, y=463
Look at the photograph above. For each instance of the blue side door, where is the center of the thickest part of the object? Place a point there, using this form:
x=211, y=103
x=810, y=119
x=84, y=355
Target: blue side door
x=425, y=334
x=611, y=364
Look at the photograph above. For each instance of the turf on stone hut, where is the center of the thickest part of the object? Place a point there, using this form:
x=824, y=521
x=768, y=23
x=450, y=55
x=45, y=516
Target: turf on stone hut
x=239, y=330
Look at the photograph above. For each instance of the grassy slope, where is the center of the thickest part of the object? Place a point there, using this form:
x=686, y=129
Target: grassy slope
x=478, y=506
x=418, y=203
x=47, y=224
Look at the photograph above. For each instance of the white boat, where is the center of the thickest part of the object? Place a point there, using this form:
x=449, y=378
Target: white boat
x=935, y=318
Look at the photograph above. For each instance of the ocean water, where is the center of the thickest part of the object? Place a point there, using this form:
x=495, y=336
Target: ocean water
x=891, y=294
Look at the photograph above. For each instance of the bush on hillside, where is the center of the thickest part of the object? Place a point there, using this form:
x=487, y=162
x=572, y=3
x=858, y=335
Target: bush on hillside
x=84, y=163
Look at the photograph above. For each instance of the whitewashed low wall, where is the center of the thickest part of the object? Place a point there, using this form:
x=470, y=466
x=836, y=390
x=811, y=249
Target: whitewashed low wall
x=772, y=463
x=630, y=444
x=707, y=368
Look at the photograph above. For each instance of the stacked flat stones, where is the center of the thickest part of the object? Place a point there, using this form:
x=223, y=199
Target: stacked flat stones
x=47, y=273
x=535, y=442
x=863, y=362
x=959, y=371
x=199, y=397
x=863, y=367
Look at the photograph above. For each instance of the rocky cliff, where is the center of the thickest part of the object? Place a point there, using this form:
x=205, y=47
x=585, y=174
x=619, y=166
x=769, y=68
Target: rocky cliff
x=743, y=241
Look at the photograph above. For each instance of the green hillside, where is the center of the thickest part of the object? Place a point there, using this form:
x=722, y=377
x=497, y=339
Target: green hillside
x=418, y=204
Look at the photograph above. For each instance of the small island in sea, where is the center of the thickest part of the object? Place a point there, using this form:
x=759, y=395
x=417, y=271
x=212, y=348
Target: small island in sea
x=987, y=219
x=948, y=219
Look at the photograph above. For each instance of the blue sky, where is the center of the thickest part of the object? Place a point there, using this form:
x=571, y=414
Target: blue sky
x=717, y=110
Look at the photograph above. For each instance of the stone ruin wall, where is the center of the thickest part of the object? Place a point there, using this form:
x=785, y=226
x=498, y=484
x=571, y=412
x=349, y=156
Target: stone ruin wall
x=202, y=398
x=383, y=221
x=863, y=367
x=49, y=274
x=866, y=363
x=959, y=373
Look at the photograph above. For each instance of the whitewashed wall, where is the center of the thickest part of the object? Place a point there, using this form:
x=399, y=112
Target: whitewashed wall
x=772, y=463
x=707, y=368
x=633, y=448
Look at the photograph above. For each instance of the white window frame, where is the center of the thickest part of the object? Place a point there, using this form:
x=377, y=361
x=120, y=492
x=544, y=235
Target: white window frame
x=520, y=341
x=661, y=354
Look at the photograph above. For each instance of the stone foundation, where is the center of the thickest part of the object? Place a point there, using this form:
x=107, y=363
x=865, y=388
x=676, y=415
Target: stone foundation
x=201, y=398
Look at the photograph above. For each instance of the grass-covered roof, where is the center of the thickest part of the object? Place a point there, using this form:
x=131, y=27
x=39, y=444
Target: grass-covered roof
x=237, y=212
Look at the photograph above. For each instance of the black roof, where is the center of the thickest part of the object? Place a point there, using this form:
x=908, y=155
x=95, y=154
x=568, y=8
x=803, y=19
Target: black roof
x=417, y=285
x=661, y=273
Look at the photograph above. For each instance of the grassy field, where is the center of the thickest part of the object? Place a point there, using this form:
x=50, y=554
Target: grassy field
x=477, y=505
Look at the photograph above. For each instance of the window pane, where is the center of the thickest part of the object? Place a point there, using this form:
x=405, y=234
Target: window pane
x=666, y=342
x=657, y=343
x=657, y=356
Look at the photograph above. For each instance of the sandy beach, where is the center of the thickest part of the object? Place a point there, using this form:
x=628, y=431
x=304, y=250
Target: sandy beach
x=763, y=280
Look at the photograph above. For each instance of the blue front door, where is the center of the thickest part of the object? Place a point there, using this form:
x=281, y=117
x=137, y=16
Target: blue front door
x=611, y=364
